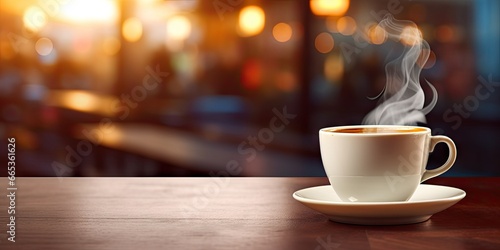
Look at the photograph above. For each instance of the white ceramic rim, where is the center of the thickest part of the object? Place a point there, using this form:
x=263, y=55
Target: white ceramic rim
x=460, y=195
x=324, y=130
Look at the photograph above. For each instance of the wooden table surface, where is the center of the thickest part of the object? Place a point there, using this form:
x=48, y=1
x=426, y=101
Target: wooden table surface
x=226, y=213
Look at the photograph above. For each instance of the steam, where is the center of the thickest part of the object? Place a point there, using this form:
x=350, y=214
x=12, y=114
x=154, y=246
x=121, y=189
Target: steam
x=402, y=99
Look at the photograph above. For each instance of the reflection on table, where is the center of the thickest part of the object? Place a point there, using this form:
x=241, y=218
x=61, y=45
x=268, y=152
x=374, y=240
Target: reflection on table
x=188, y=150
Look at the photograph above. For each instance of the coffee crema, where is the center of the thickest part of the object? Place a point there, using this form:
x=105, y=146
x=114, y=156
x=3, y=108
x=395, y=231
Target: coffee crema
x=380, y=130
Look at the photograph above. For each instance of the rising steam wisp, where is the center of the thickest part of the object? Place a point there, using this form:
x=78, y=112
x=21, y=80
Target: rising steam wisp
x=402, y=100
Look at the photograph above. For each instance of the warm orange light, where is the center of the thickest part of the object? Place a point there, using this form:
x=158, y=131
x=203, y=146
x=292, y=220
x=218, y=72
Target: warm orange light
x=334, y=68
x=150, y=2
x=44, y=46
x=82, y=45
x=324, y=42
x=34, y=18
x=78, y=100
x=111, y=46
x=282, y=32
x=6, y=50
x=251, y=21
x=411, y=36
x=346, y=25
x=132, y=29
x=83, y=101
x=286, y=81
x=377, y=34
x=178, y=28
x=84, y=11
x=329, y=7
x=113, y=136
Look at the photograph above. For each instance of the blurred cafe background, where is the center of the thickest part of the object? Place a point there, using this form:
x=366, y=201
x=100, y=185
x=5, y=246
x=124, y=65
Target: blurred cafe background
x=230, y=87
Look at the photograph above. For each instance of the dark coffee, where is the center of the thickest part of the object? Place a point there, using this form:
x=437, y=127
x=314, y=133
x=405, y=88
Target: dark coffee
x=381, y=130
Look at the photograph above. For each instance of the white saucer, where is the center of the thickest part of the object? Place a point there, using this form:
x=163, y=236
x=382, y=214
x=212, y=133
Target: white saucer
x=426, y=201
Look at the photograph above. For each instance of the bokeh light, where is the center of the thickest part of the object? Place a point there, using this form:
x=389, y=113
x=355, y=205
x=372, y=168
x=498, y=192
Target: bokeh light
x=85, y=11
x=377, y=34
x=346, y=25
x=282, y=32
x=178, y=27
x=252, y=74
x=329, y=7
x=132, y=29
x=82, y=101
x=411, y=36
x=286, y=81
x=34, y=18
x=251, y=21
x=334, y=68
x=324, y=42
x=44, y=46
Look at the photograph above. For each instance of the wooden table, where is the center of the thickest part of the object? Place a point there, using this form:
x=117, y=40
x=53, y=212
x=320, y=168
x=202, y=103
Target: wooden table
x=226, y=213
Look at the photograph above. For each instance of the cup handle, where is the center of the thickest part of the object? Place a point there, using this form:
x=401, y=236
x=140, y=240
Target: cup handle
x=451, y=157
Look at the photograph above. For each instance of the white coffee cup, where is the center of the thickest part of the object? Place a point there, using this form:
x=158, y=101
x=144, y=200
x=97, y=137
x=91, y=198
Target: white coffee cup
x=379, y=163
